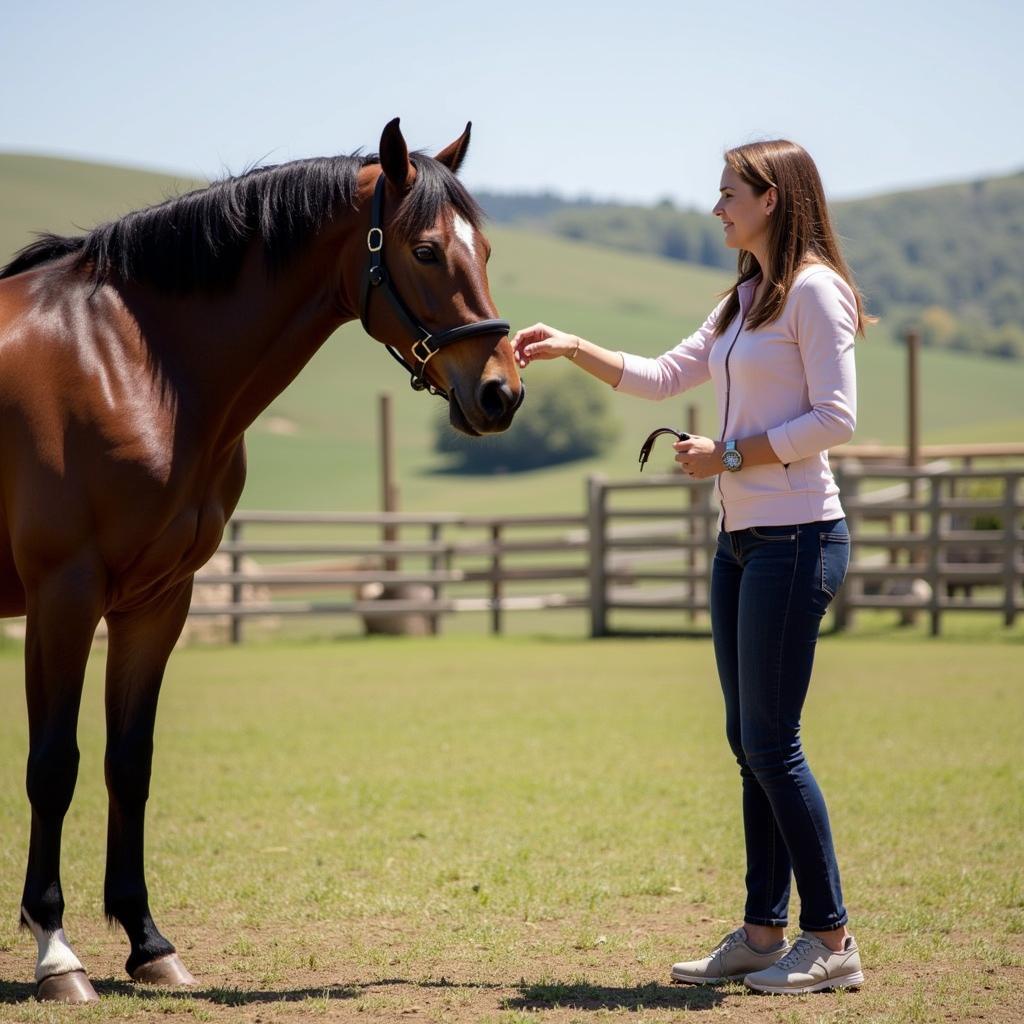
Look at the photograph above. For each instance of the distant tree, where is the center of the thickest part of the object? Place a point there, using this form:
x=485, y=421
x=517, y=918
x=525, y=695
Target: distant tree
x=938, y=327
x=710, y=250
x=675, y=243
x=1008, y=342
x=1005, y=300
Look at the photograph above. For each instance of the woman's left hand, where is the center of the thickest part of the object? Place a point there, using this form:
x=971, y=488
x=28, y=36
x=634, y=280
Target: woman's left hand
x=700, y=457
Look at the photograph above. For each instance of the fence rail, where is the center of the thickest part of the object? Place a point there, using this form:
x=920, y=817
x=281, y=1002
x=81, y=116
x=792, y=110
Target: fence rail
x=927, y=540
x=381, y=579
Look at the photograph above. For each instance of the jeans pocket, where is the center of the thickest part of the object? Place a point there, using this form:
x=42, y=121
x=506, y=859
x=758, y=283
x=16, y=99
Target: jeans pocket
x=835, y=558
x=773, y=532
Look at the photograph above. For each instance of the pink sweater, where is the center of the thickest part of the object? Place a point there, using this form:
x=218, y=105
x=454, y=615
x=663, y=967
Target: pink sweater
x=793, y=379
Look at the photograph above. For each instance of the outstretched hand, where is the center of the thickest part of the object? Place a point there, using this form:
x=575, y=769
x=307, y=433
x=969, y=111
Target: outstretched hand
x=699, y=456
x=542, y=342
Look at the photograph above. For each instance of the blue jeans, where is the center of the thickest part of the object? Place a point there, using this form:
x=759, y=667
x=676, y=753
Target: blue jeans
x=770, y=588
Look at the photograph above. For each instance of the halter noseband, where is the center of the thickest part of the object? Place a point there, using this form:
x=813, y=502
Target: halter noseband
x=427, y=345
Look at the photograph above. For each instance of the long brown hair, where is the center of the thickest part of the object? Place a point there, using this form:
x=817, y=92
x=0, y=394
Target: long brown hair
x=799, y=229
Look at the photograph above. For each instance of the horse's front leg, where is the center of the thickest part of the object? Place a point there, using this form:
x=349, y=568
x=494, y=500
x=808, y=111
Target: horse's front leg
x=139, y=645
x=63, y=609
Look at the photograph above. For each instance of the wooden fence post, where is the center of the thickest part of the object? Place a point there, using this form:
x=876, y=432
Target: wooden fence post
x=694, y=523
x=913, y=340
x=691, y=420
x=235, y=536
x=597, y=523
x=711, y=510
x=496, y=583
x=839, y=614
x=1010, y=552
x=934, y=545
x=388, y=485
x=853, y=588
x=437, y=563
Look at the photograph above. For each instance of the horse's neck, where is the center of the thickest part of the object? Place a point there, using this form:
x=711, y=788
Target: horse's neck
x=229, y=356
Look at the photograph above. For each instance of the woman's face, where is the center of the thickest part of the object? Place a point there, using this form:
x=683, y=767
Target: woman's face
x=743, y=214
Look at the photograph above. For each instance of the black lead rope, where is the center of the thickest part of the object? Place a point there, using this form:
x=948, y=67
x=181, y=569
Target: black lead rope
x=645, y=448
x=427, y=345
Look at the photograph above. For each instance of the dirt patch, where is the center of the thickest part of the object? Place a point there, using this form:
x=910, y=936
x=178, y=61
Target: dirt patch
x=553, y=971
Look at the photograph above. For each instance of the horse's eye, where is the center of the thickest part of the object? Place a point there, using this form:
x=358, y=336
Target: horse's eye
x=425, y=254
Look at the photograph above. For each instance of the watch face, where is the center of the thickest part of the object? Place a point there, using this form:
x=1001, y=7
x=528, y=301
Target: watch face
x=732, y=459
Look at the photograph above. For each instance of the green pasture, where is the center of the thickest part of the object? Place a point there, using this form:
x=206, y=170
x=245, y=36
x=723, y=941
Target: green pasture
x=511, y=830
x=315, y=448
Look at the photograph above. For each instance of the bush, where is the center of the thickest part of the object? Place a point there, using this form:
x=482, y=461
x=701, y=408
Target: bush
x=566, y=416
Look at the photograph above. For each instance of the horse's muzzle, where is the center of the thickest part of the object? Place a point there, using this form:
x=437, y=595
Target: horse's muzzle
x=491, y=411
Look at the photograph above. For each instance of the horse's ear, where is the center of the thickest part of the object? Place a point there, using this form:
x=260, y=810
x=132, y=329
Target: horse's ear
x=394, y=156
x=453, y=155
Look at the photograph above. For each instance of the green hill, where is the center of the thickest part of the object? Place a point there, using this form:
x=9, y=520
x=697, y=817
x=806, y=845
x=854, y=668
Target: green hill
x=947, y=259
x=67, y=196
x=316, y=446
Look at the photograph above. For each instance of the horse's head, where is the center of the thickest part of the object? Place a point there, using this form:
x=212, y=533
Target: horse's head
x=425, y=292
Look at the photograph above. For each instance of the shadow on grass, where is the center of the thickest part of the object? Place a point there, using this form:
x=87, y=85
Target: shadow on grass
x=584, y=996
x=20, y=992
x=16, y=992
x=537, y=996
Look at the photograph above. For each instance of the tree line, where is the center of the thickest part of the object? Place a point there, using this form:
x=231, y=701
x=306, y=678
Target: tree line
x=947, y=260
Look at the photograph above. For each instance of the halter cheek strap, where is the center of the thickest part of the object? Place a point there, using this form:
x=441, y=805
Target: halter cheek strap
x=427, y=345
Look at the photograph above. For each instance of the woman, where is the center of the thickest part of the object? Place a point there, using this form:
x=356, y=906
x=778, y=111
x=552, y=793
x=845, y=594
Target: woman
x=779, y=351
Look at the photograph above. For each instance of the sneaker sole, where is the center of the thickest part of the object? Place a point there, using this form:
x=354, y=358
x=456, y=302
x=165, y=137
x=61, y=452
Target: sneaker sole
x=849, y=981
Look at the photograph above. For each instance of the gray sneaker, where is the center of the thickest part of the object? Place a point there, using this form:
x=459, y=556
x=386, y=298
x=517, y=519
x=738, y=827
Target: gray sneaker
x=731, y=960
x=810, y=966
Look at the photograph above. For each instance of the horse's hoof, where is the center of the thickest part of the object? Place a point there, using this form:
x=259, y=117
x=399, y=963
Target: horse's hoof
x=73, y=987
x=166, y=970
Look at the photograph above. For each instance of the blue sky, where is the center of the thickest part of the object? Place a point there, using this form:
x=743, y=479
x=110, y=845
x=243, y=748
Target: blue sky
x=634, y=100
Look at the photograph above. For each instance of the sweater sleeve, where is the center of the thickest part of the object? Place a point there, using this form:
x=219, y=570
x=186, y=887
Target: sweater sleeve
x=677, y=370
x=825, y=324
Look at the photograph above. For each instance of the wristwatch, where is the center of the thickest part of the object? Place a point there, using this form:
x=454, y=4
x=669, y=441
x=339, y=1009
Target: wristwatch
x=731, y=457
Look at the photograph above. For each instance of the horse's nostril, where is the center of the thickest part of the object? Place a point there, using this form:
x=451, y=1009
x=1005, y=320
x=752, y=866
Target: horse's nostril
x=496, y=399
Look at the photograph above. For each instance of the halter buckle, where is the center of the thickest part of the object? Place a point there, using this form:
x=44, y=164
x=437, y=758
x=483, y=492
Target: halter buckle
x=372, y=236
x=430, y=352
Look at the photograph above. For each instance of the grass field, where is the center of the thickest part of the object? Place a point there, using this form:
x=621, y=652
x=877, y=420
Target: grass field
x=326, y=456
x=514, y=830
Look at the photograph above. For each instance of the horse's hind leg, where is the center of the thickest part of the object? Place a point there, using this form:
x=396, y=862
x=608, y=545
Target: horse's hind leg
x=63, y=611
x=139, y=646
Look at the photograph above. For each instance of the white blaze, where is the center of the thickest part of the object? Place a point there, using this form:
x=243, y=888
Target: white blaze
x=464, y=230
x=55, y=953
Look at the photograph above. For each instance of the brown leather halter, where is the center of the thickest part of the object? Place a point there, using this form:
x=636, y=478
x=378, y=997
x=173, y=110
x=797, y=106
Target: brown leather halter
x=427, y=345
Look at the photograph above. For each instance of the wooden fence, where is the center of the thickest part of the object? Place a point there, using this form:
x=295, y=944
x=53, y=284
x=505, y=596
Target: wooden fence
x=933, y=540
x=926, y=540
x=436, y=565
x=652, y=542
x=944, y=537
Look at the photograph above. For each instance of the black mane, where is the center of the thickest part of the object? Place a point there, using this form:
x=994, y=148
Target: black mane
x=198, y=240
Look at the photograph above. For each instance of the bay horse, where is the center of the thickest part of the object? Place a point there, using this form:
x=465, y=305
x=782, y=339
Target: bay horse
x=132, y=360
